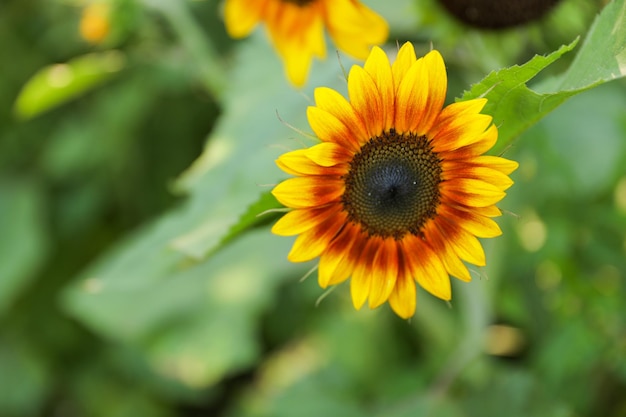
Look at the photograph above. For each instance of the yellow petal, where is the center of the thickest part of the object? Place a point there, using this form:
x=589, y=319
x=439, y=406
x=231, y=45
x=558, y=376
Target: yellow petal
x=297, y=64
x=457, y=110
x=298, y=163
x=329, y=128
x=304, y=192
x=483, y=143
x=501, y=164
x=428, y=269
x=361, y=281
x=334, y=103
x=471, y=192
x=332, y=273
x=315, y=241
x=488, y=211
x=454, y=170
x=437, y=88
x=384, y=272
x=295, y=222
x=298, y=35
x=476, y=224
x=460, y=132
x=405, y=59
x=464, y=244
x=328, y=154
x=366, y=100
x=337, y=262
x=354, y=27
x=378, y=67
x=359, y=288
x=314, y=34
x=403, y=297
x=241, y=16
x=421, y=94
x=412, y=98
x=451, y=262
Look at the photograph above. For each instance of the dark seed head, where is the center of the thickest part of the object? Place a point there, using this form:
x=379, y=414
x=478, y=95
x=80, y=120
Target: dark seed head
x=392, y=186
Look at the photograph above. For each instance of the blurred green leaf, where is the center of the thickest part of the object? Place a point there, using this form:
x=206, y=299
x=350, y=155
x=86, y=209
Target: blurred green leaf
x=558, y=362
x=252, y=132
x=586, y=133
x=59, y=83
x=525, y=395
x=24, y=379
x=424, y=405
x=602, y=56
x=23, y=245
x=190, y=291
x=515, y=107
x=195, y=322
x=312, y=397
x=205, y=60
x=99, y=392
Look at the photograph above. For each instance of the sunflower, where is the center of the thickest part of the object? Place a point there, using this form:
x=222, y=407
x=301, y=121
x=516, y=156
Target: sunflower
x=296, y=28
x=498, y=14
x=398, y=190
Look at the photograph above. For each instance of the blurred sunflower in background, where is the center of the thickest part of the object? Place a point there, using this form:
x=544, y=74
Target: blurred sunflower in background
x=498, y=14
x=296, y=29
x=95, y=22
x=480, y=35
x=399, y=189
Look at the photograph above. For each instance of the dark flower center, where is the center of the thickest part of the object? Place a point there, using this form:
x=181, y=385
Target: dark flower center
x=498, y=14
x=392, y=186
x=300, y=3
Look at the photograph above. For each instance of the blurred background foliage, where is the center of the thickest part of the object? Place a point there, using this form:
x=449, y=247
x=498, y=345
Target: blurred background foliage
x=136, y=279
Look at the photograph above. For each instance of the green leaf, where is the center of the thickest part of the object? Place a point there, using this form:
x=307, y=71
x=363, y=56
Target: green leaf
x=25, y=378
x=59, y=83
x=189, y=310
x=588, y=167
x=515, y=107
x=257, y=213
x=23, y=245
x=602, y=57
x=204, y=56
x=424, y=405
x=252, y=132
x=310, y=398
x=195, y=322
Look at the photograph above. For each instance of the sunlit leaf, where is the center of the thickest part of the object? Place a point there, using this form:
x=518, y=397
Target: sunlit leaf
x=602, y=56
x=59, y=83
x=515, y=107
x=257, y=213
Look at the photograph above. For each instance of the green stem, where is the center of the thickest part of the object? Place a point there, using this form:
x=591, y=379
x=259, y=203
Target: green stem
x=209, y=66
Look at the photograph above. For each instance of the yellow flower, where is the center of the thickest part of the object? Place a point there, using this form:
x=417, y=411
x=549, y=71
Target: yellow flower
x=296, y=28
x=398, y=190
x=95, y=22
